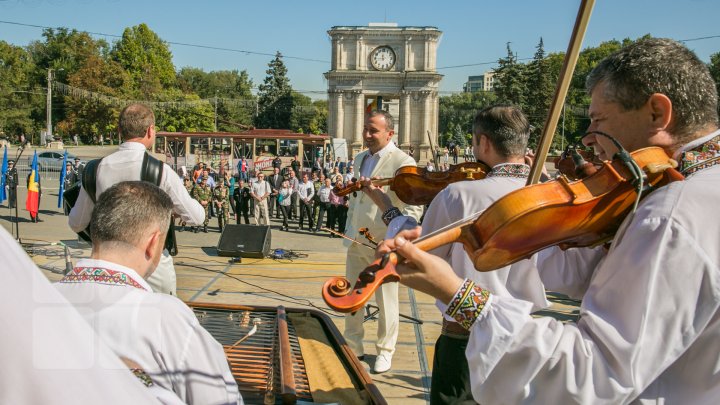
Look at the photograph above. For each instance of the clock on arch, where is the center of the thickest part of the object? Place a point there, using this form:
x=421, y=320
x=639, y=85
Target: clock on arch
x=382, y=58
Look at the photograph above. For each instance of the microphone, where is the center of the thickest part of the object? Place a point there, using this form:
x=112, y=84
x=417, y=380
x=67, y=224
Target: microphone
x=22, y=145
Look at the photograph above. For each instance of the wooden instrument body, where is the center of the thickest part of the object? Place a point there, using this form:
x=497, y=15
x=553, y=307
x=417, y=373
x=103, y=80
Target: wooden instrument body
x=586, y=212
x=560, y=212
x=416, y=186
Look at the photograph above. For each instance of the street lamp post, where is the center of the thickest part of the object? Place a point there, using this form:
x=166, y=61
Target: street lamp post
x=48, y=128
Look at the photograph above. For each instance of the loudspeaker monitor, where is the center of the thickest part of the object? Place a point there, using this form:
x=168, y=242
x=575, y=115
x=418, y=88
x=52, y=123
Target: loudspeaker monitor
x=245, y=241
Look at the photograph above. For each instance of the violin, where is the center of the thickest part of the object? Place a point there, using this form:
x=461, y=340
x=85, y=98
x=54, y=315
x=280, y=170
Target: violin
x=560, y=212
x=577, y=163
x=417, y=186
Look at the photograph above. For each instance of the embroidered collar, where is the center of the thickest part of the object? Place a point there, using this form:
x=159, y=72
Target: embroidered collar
x=696, y=157
x=518, y=170
x=104, y=272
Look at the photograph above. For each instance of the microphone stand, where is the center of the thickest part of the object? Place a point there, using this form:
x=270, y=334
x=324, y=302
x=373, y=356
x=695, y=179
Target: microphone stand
x=18, y=155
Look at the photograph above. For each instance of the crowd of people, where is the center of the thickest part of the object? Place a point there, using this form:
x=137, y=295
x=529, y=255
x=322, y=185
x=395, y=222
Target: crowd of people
x=305, y=198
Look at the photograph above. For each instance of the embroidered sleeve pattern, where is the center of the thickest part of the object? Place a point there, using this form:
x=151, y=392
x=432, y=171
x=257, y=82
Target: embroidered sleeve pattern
x=467, y=304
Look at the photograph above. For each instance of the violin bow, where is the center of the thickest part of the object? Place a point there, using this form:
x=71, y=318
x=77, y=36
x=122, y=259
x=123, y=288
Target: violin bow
x=342, y=235
x=571, y=57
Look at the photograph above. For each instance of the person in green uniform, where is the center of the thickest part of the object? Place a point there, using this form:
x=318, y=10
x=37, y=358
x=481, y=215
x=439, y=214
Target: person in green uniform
x=221, y=197
x=203, y=194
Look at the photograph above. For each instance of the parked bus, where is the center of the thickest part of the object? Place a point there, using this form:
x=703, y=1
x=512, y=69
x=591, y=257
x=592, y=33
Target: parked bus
x=258, y=146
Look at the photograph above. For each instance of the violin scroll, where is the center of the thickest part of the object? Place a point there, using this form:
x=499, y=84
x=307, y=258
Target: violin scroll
x=340, y=296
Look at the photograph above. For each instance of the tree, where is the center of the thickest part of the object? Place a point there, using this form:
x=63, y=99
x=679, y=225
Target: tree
x=17, y=97
x=510, y=81
x=458, y=110
x=539, y=91
x=147, y=59
x=90, y=117
x=318, y=123
x=275, y=100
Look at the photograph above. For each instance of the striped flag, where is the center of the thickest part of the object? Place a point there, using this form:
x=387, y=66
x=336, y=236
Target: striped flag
x=4, y=170
x=63, y=172
x=32, y=203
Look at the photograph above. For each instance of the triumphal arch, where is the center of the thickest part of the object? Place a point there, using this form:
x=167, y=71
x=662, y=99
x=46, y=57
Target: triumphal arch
x=382, y=65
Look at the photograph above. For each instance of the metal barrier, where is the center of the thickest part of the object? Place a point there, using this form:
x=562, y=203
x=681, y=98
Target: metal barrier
x=49, y=180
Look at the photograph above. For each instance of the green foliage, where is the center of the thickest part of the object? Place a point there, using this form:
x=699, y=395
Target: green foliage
x=16, y=95
x=539, y=92
x=235, y=102
x=147, y=59
x=198, y=117
x=510, y=83
x=458, y=111
x=275, y=99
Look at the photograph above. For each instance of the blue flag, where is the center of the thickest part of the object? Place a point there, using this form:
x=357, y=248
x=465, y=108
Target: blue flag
x=4, y=170
x=63, y=171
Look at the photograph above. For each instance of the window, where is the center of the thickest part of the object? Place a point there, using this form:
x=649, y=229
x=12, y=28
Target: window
x=288, y=147
x=265, y=147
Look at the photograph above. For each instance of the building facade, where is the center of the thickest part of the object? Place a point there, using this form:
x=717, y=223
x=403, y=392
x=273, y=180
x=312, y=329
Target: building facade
x=383, y=65
x=483, y=82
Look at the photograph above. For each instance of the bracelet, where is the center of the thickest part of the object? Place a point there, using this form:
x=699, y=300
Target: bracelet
x=390, y=214
x=467, y=304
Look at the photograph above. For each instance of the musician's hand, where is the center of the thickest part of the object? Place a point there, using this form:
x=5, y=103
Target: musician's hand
x=388, y=245
x=376, y=194
x=425, y=272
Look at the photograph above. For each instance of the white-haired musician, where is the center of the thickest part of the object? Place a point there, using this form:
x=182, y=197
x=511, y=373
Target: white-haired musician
x=157, y=331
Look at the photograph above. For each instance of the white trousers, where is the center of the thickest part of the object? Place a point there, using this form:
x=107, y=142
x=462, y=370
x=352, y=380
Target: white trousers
x=163, y=280
x=358, y=258
x=261, y=209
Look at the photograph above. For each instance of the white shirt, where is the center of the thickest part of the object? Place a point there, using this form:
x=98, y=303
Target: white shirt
x=371, y=160
x=306, y=191
x=462, y=199
x=348, y=176
x=261, y=188
x=324, y=193
x=125, y=165
x=50, y=355
x=649, y=321
x=157, y=331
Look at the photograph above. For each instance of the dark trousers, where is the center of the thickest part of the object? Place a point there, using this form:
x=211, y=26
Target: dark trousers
x=332, y=216
x=322, y=208
x=12, y=197
x=284, y=210
x=342, y=212
x=305, y=209
x=293, y=205
x=272, y=202
x=451, y=375
x=243, y=212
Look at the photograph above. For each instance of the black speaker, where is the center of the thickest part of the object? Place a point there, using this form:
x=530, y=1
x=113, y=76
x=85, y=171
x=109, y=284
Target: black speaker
x=244, y=241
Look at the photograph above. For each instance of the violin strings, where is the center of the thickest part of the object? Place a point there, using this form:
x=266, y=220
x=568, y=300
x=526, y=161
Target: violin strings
x=470, y=218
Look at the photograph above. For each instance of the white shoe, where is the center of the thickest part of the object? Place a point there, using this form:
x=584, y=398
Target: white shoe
x=383, y=362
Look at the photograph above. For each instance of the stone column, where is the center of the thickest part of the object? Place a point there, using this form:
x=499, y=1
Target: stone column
x=405, y=119
x=339, y=114
x=360, y=54
x=359, y=118
x=408, y=49
x=425, y=113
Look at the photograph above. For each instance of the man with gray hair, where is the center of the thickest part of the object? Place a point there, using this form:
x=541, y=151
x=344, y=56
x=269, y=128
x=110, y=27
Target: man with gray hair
x=157, y=331
x=137, y=131
x=650, y=314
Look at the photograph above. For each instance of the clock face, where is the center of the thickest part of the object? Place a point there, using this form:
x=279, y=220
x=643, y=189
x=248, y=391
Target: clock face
x=382, y=58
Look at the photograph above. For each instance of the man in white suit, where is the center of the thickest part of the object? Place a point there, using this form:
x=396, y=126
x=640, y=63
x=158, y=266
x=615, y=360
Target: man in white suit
x=381, y=159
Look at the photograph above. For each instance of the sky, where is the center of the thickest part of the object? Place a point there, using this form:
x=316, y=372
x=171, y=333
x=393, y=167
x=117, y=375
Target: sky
x=474, y=32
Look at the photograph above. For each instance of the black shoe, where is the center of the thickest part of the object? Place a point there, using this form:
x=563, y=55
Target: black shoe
x=195, y=229
x=205, y=228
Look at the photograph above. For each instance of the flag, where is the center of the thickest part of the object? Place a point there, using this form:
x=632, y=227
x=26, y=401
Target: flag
x=63, y=172
x=33, y=196
x=3, y=172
